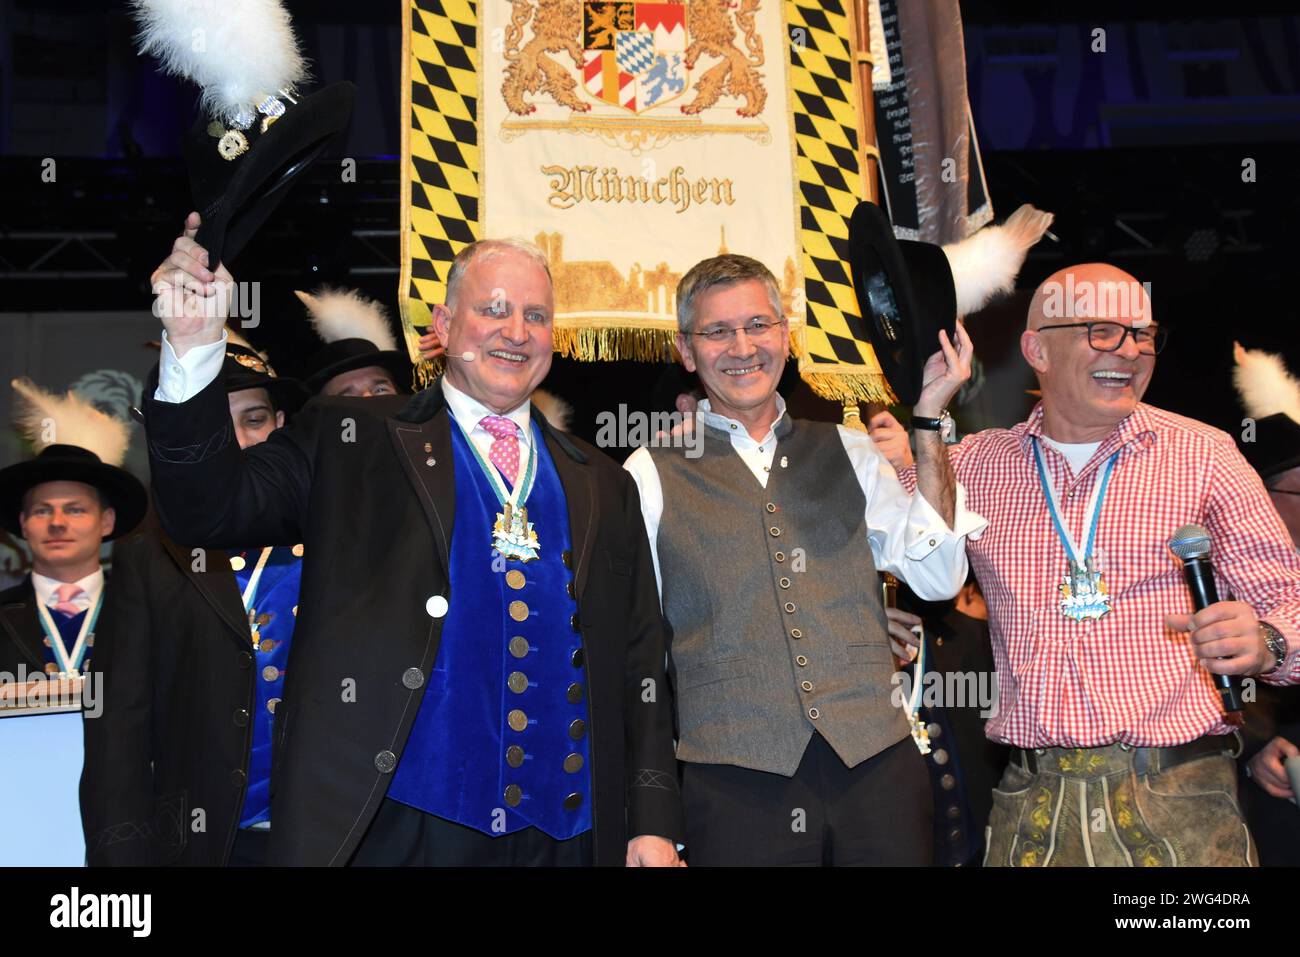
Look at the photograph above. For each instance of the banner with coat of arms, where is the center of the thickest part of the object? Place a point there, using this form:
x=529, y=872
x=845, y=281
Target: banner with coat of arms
x=629, y=140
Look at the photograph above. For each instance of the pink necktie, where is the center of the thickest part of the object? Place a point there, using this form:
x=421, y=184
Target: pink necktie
x=504, y=453
x=65, y=605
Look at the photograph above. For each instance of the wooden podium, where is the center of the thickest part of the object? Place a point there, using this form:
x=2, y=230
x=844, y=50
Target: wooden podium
x=41, y=752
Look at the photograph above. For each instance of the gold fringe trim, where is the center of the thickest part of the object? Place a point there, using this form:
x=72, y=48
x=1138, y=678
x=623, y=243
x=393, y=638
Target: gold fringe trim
x=601, y=344
x=850, y=387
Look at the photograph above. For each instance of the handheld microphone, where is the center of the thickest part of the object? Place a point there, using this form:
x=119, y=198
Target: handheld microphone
x=1191, y=544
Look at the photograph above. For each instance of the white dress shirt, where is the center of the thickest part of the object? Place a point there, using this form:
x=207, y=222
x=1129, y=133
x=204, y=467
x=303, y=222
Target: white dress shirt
x=91, y=586
x=469, y=413
x=182, y=378
x=908, y=537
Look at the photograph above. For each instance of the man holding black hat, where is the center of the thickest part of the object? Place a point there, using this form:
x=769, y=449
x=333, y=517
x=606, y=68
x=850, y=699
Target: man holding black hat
x=479, y=676
x=65, y=502
x=792, y=751
x=198, y=642
x=1122, y=747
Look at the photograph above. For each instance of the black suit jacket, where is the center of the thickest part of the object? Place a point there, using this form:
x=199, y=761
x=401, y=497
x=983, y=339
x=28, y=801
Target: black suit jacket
x=21, y=637
x=164, y=774
x=367, y=486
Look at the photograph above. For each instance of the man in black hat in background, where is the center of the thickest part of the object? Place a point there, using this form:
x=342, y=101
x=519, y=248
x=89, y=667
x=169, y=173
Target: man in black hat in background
x=360, y=355
x=792, y=751
x=65, y=502
x=1271, y=444
x=177, y=768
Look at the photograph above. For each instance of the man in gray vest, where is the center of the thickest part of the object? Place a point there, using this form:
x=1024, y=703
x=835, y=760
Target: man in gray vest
x=766, y=547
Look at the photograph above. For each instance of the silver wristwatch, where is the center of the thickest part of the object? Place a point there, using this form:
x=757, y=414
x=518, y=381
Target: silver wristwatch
x=943, y=424
x=1275, y=643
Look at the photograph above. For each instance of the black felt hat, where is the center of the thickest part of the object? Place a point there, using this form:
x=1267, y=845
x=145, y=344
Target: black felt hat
x=246, y=369
x=356, y=334
x=345, y=355
x=71, y=463
x=239, y=176
x=905, y=295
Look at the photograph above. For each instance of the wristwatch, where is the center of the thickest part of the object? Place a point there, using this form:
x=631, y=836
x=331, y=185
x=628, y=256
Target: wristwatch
x=944, y=425
x=1275, y=643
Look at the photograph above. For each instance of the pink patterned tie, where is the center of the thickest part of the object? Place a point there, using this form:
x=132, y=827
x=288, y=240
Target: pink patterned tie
x=504, y=453
x=65, y=605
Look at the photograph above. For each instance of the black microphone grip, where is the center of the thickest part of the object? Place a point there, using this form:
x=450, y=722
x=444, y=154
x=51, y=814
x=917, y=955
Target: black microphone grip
x=1199, y=573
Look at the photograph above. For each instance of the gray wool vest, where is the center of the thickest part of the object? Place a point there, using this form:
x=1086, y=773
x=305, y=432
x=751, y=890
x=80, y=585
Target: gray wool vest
x=773, y=603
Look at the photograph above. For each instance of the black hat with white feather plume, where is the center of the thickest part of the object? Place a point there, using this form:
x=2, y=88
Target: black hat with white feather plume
x=258, y=129
x=356, y=334
x=77, y=443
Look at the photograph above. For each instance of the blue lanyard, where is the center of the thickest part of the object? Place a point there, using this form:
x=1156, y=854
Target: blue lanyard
x=66, y=665
x=1049, y=493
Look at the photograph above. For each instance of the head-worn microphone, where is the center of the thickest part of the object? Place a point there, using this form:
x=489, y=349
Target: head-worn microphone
x=467, y=355
x=1191, y=544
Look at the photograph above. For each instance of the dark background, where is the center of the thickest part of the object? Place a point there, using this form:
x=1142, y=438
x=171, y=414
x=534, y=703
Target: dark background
x=1138, y=151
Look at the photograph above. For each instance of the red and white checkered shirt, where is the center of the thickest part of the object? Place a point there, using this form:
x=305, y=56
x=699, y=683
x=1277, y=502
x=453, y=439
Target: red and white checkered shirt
x=1124, y=677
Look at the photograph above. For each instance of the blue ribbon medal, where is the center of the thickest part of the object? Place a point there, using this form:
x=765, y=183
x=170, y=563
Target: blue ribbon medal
x=1083, y=593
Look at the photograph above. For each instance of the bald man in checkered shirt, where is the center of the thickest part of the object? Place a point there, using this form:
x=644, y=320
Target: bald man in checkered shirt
x=1122, y=750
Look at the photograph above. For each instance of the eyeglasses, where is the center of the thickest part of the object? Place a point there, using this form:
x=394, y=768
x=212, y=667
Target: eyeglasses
x=1110, y=336
x=754, y=329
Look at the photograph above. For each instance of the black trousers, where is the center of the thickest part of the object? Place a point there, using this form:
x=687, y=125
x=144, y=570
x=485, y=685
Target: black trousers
x=878, y=813
x=403, y=836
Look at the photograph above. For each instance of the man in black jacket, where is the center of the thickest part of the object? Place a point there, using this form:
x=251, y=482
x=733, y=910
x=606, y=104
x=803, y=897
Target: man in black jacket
x=177, y=767
x=478, y=670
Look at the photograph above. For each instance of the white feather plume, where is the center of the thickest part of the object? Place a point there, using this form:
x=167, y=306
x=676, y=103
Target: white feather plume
x=986, y=263
x=554, y=409
x=48, y=419
x=346, y=314
x=1264, y=384
x=236, y=50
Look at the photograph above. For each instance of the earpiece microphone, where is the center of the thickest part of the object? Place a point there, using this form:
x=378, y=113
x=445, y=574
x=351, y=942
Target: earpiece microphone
x=467, y=355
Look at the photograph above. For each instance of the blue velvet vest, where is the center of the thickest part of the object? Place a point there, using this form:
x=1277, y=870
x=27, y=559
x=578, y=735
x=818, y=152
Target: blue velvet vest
x=275, y=607
x=465, y=760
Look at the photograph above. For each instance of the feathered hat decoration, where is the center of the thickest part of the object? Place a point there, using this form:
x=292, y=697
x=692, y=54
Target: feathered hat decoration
x=46, y=419
x=1264, y=384
x=347, y=314
x=356, y=334
x=1271, y=397
x=237, y=51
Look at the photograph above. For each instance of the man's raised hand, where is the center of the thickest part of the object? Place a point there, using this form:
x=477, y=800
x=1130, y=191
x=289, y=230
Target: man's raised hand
x=946, y=371
x=192, y=300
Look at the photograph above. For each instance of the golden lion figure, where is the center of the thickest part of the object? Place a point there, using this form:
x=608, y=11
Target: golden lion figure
x=713, y=34
x=556, y=29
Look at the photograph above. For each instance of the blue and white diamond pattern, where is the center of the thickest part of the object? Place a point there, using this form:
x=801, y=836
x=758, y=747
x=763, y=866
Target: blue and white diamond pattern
x=634, y=52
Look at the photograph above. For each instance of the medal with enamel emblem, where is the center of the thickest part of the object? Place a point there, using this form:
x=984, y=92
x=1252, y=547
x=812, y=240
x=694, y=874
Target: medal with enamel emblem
x=1084, y=595
x=513, y=536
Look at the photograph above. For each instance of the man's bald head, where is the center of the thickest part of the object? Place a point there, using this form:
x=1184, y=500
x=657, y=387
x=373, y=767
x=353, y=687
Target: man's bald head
x=1088, y=390
x=1089, y=291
